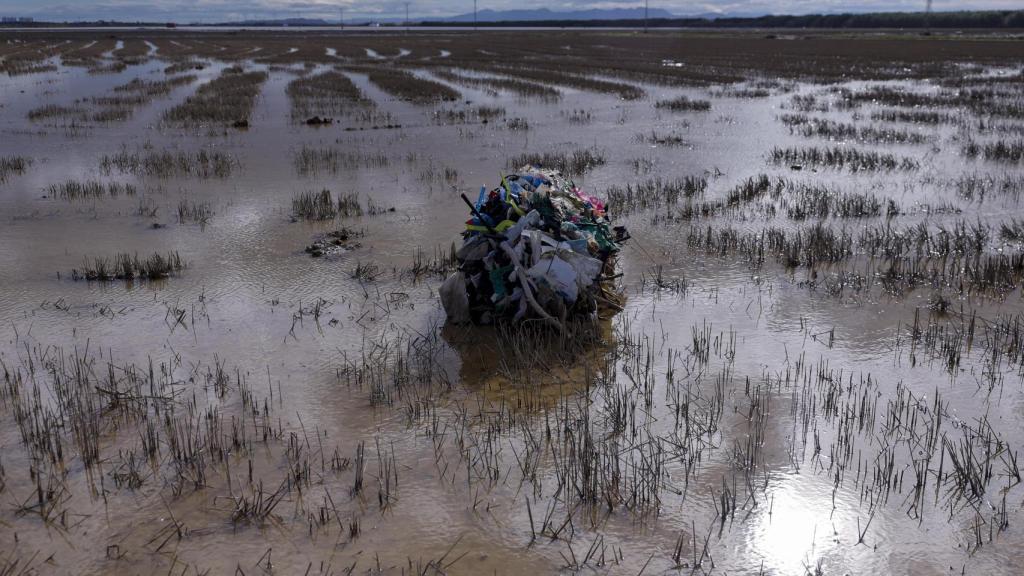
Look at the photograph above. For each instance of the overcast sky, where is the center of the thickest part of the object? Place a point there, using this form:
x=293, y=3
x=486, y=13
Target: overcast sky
x=222, y=10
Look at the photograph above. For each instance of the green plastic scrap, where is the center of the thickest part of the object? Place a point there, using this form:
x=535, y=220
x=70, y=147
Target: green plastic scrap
x=600, y=232
x=498, y=281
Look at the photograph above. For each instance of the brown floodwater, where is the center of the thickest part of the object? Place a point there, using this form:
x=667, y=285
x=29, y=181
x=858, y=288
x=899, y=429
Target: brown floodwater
x=814, y=410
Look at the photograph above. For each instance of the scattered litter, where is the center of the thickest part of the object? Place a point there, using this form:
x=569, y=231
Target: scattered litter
x=334, y=242
x=537, y=247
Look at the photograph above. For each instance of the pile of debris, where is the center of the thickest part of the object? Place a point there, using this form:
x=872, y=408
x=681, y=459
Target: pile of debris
x=536, y=247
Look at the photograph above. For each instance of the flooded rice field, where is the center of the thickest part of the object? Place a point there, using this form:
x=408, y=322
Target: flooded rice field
x=223, y=350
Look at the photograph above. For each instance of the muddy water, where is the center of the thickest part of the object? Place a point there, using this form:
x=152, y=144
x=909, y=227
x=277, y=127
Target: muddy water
x=245, y=301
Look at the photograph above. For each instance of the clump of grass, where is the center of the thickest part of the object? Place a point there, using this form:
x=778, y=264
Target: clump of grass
x=818, y=127
x=374, y=209
x=150, y=88
x=147, y=208
x=405, y=86
x=578, y=81
x=971, y=148
x=751, y=189
x=733, y=92
x=1003, y=151
x=981, y=101
x=314, y=205
x=653, y=193
x=516, y=86
x=482, y=114
x=842, y=157
x=126, y=266
x=76, y=190
x=939, y=304
x=794, y=119
x=13, y=165
x=112, y=114
x=366, y=272
x=16, y=67
x=196, y=213
x=1012, y=231
x=119, y=106
x=888, y=135
x=442, y=263
x=661, y=139
x=309, y=161
x=913, y=116
x=808, y=103
x=49, y=111
x=683, y=104
x=488, y=113
x=202, y=164
x=327, y=94
x=642, y=165
x=518, y=124
x=98, y=67
x=575, y=163
x=348, y=204
x=578, y=116
x=439, y=173
x=227, y=99
x=802, y=201
x=183, y=66
x=257, y=508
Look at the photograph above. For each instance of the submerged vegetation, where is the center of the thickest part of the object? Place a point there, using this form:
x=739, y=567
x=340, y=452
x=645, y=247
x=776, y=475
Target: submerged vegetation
x=13, y=165
x=310, y=161
x=1000, y=151
x=49, y=111
x=322, y=206
x=196, y=213
x=516, y=86
x=202, y=164
x=327, y=94
x=575, y=163
x=227, y=99
x=404, y=85
x=314, y=205
x=91, y=189
x=654, y=193
x=125, y=266
x=817, y=368
x=841, y=157
x=823, y=128
x=684, y=104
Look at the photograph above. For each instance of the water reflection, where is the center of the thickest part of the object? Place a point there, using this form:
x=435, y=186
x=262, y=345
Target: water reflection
x=802, y=526
x=530, y=358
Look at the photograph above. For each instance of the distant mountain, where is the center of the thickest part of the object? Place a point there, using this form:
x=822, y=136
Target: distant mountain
x=542, y=14
x=284, y=22
x=545, y=14
x=724, y=15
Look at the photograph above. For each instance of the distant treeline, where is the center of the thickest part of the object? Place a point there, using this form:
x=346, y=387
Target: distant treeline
x=948, y=20
x=976, y=19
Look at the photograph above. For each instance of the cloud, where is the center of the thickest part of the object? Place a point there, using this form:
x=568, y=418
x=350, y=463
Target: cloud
x=225, y=10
